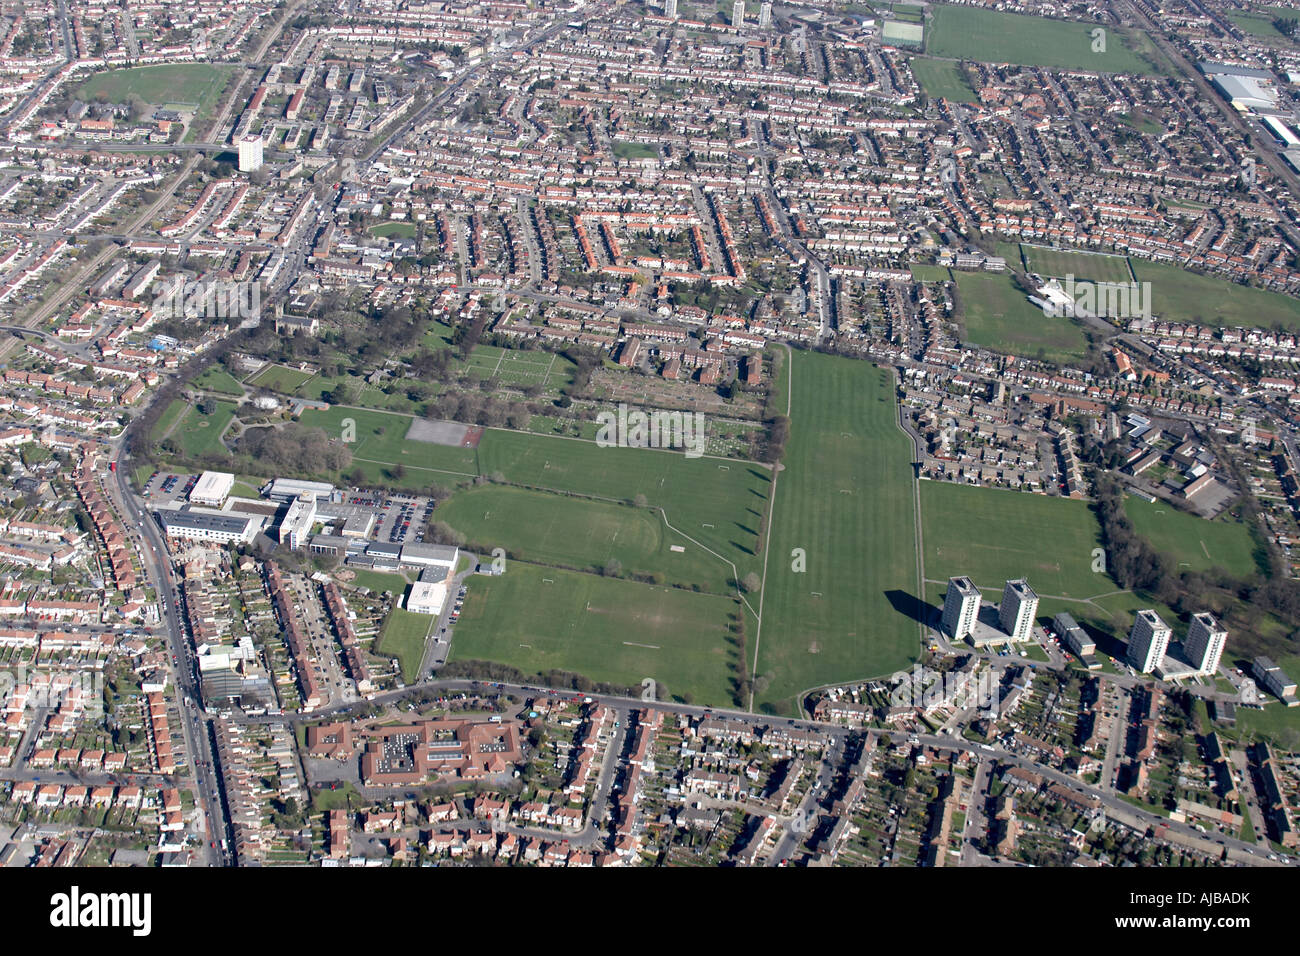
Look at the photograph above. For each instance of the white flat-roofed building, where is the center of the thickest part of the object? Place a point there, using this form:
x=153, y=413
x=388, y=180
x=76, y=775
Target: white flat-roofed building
x=1205, y=642
x=427, y=597
x=212, y=489
x=1018, y=609
x=217, y=526
x=429, y=555
x=1148, y=641
x=296, y=525
x=250, y=154
x=286, y=489
x=961, y=607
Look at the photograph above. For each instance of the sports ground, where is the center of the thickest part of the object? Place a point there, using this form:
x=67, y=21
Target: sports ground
x=831, y=538
x=972, y=33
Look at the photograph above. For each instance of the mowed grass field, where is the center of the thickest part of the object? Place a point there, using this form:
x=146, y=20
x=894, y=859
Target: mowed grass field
x=519, y=368
x=200, y=435
x=992, y=535
x=1211, y=301
x=381, y=441
x=999, y=316
x=718, y=503
x=607, y=629
x=403, y=637
x=280, y=378
x=1192, y=542
x=942, y=79
x=844, y=497
x=217, y=379
x=1059, y=263
x=190, y=83
x=971, y=33
x=546, y=528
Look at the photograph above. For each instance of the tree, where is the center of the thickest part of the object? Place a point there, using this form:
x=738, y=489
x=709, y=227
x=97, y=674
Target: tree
x=751, y=582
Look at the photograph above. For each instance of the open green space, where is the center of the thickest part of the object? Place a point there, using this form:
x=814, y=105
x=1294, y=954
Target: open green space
x=403, y=637
x=974, y=33
x=1059, y=263
x=539, y=619
x=999, y=316
x=1191, y=542
x=404, y=230
x=377, y=581
x=217, y=379
x=170, y=416
x=624, y=150
x=1258, y=20
x=381, y=441
x=200, y=434
x=992, y=535
x=192, y=84
x=280, y=378
x=547, y=528
x=1207, y=300
x=942, y=79
x=845, y=499
x=719, y=504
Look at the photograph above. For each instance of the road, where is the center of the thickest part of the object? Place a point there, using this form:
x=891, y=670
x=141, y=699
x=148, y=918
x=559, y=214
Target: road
x=195, y=726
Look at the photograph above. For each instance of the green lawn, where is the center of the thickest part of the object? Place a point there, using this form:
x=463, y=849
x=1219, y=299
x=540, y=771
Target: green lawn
x=381, y=443
x=609, y=630
x=217, y=379
x=942, y=79
x=718, y=503
x=1212, y=301
x=999, y=316
x=634, y=151
x=200, y=435
x=1258, y=21
x=170, y=416
x=196, y=84
x=579, y=533
x=992, y=535
x=845, y=498
x=279, y=378
x=404, y=230
x=1059, y=263
x=988, y=36
x=378, y=581
x=403, y=637
x=1192, y=542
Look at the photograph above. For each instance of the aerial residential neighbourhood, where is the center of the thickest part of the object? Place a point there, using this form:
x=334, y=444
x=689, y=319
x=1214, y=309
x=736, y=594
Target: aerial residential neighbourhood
x=649, y=433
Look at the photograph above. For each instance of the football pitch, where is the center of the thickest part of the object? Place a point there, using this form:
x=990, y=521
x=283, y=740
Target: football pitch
x=941, y=79
x=999, y=316
x=540, y=619
x=992, y=535
x=1059, y=263
x=565, y=531
x=1191, y=542
x=845, y=500
x=971, y=33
